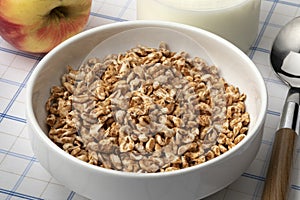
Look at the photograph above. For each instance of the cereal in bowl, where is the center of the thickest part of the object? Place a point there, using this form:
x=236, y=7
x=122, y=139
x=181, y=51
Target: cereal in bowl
x=146, y=110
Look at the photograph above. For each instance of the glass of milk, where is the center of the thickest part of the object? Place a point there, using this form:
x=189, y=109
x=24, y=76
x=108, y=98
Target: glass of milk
x=234, y=20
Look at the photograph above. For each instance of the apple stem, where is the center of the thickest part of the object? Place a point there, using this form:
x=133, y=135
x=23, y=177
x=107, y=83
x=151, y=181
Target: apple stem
x=57, y=12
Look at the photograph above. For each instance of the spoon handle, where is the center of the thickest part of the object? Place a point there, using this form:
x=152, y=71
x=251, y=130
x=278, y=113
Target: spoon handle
x=278, y=176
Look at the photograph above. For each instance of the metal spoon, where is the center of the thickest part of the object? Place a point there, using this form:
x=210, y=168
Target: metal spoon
x=285, y=59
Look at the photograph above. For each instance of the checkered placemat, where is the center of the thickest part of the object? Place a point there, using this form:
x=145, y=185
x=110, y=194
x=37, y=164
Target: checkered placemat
x=21, y=175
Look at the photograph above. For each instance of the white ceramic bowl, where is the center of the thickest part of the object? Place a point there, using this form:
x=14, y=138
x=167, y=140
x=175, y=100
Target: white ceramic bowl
x=190, y=183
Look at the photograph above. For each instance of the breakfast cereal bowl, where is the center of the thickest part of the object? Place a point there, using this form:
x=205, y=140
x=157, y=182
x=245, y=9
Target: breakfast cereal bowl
x=100, y=182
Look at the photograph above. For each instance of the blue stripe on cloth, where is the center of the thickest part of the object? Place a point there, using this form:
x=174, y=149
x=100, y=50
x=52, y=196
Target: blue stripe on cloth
x=276, y=81
x=252, y=176
x=3, y=80
x=124, y=8
x=261, y=32
x=18, y=155
x=22, y=85
x=20, y=53
x=252, y=52
x=19, y=195
x=270, y=112
x=21, y=178
x=71, y=195
x=286, y=3
x=117, y=19
x=267, y=142
x=260, y=49
x=18, y=119
x=295, y=187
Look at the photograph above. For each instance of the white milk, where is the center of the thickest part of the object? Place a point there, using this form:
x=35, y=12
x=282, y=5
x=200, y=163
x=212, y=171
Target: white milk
x=234, y=20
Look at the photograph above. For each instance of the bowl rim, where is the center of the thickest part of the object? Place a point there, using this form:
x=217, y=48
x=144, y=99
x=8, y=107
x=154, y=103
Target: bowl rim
x=37, y=130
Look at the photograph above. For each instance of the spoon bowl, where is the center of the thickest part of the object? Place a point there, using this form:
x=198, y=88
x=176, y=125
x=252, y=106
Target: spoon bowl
x=285, y=57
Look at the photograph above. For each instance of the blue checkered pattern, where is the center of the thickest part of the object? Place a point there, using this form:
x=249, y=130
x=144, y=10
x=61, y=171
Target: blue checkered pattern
x=22, y=177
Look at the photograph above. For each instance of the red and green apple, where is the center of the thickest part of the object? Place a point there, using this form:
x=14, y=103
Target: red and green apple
x=37, y=26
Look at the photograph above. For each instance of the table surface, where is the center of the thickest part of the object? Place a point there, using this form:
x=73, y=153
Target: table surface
x=21, y=175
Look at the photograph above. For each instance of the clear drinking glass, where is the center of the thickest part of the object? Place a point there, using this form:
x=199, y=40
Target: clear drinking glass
x=234, y=20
